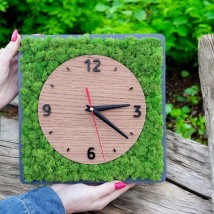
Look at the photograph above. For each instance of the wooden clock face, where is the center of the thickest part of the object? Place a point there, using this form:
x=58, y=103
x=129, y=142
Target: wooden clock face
x=92, y=109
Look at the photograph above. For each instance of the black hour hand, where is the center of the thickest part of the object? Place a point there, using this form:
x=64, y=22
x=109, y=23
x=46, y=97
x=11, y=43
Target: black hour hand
x=108, y=122
x=107, y=107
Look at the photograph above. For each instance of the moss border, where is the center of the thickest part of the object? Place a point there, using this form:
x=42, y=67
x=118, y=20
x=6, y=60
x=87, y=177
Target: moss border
x=145, y=161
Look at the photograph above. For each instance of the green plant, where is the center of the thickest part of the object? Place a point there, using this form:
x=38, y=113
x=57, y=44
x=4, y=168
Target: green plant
x=181, y=22
x=184, y=74
x=40, y=57
x=190, y=96
x=47, y=17
x=180, y=118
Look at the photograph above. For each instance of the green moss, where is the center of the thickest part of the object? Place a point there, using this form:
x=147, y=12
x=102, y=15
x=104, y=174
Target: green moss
x=40, y=57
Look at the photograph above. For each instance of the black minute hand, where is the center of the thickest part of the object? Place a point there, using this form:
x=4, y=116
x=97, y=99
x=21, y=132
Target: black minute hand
x=108, y=122
x=107, y=107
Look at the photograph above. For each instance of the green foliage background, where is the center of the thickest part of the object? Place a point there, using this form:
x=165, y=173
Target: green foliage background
x=40, y=57
x=181, y=22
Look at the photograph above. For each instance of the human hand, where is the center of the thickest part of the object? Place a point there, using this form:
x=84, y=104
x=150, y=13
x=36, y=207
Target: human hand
x=81, y=197
x=9, y=70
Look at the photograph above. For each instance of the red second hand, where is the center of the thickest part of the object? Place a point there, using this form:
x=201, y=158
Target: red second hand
x=89, y=100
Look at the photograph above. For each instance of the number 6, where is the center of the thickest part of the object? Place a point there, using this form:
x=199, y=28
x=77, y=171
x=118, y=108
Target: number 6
x=91, y=155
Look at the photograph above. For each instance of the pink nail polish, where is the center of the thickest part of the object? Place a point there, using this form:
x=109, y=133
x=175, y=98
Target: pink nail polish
x=14, y=35
x=120, y=185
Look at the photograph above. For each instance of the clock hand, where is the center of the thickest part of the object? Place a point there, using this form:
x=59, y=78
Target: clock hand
x=107, y=107
x=95, y=124
x=108, y=122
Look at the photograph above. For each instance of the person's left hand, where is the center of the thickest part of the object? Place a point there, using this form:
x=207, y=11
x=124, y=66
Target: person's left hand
x=9, y=70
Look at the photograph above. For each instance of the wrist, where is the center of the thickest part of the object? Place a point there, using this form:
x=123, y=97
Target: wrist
x=43, y=200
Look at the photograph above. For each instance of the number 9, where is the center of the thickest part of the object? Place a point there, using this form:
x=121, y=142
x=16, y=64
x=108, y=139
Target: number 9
x=47, y=109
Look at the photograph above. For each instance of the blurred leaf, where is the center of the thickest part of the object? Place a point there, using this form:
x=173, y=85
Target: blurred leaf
x=176, y=113
x=179, y=20
x=210, y=15
x=140, y=15
x=185, y=109
x=191, y=91
x=184, y=74
x=169, y=107
x=181, y=99
x=131, y=1
x=3, y=5
x=101, y=7
x=194, y=100
x=187, y=126
x=182, y=30
x=127, y=12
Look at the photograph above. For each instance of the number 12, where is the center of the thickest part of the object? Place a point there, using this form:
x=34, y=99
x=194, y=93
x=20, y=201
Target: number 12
x=95, y=69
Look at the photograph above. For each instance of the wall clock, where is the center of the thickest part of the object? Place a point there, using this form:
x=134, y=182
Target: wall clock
x=92, y=108
x=118, y=111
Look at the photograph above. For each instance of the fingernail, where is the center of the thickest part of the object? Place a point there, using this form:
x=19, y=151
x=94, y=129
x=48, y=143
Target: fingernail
x=14, y=35
x=120, y=185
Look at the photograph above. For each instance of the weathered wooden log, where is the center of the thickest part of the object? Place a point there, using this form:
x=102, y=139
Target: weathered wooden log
x=187, y=189
x=206, y=73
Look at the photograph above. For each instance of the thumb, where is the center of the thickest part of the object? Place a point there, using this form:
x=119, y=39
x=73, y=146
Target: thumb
x=108, y=188
x=6, y=55
x=10, y=50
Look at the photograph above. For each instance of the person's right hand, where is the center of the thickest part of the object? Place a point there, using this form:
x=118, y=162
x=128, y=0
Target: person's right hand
x=81, y=197
x=9, y=70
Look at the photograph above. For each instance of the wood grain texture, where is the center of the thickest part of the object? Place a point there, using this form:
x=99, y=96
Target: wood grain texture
x=72, y=128
x=188, y=164
x=206, y=73
x=188, y=169
x=164, y=198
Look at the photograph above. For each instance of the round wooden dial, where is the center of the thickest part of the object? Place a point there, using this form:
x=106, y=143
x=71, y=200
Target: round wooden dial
x=80, y=135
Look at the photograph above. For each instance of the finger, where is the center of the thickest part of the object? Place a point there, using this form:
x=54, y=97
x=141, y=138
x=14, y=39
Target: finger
x=107, y=199
x=14, y=65
x=14, y=77
x=102, y=202
x=105, y=189
x=13, y=70
x=9, y=52
x=15, y=59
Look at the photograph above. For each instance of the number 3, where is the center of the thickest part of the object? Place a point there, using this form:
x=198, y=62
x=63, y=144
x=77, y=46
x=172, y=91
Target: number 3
x=137, y=111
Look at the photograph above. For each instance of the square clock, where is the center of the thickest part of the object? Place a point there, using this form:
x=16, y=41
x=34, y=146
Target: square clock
x=92, y=108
